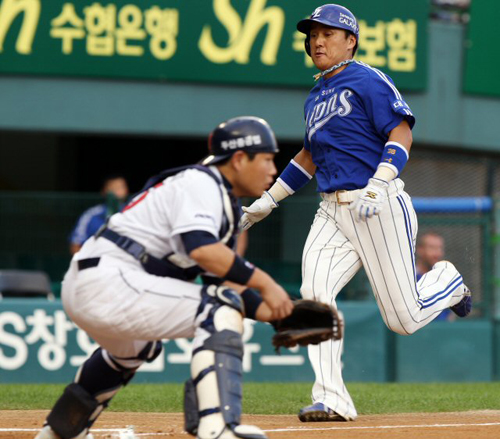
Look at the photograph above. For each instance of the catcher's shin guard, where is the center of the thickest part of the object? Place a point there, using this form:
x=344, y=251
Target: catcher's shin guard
x=72, y=412
x=213, y=395
x=96, y=382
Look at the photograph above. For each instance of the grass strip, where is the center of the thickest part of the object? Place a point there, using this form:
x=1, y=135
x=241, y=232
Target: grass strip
x=278, y=398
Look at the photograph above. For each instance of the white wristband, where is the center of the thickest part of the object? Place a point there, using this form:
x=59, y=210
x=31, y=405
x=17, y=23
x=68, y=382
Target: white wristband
x=278, y=192
x=385, y=173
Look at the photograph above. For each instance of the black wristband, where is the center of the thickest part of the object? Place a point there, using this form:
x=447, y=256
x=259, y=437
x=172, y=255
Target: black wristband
x=241, y=271
x=252, y=300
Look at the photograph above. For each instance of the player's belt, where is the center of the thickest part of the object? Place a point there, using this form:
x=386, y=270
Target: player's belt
x=83, y=264
x=152, y=265
x=341, y=197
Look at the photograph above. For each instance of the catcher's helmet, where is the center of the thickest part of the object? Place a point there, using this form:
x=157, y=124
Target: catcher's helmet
x=330, y=15
x=245, y=133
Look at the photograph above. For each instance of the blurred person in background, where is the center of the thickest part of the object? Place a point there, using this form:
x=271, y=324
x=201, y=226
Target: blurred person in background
x=429, y=251
x=93, y=218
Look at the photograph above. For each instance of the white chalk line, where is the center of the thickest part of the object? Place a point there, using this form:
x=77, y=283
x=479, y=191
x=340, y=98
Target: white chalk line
x=278, y=430
x=93, y=430
x=382, y=427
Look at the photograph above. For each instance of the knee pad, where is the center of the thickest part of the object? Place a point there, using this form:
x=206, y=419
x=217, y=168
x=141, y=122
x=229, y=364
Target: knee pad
x=221, y=308
x=213, y=396
x=151, y=351
x=102, y=373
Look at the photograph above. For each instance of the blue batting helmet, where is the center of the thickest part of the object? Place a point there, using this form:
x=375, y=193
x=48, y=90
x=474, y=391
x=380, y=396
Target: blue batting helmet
x=330, y=15
x=245, y=133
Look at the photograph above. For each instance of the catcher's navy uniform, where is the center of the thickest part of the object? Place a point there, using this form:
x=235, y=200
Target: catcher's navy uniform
x=130, y=286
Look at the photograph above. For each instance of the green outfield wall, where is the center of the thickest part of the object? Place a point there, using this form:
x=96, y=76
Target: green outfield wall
x=482, y=59
x=445, y=115
x=38, y=343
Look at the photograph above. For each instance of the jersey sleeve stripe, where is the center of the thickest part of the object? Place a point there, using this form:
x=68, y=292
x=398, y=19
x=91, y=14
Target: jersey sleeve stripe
x=384, y=77
x=300, y=168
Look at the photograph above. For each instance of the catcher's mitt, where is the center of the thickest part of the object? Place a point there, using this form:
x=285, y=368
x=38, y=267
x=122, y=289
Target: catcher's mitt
x=310, y=323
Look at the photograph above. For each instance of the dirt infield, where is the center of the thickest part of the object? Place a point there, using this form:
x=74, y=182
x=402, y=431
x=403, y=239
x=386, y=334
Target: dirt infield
x=18, y=424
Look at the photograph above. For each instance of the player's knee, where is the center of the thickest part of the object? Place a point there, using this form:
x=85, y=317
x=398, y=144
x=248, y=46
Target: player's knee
x=103, y=372
x=221, y=309
x=148, y=354
x=410, y=328
x=400, y=328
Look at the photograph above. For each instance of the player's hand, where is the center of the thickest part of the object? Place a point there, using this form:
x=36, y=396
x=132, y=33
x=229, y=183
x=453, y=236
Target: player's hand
x=278, y=301
x=257, y=211
x=370, y=200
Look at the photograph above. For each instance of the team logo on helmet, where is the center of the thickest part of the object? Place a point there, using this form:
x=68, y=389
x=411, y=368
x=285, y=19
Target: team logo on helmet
x=317, y=12
x=241, y=142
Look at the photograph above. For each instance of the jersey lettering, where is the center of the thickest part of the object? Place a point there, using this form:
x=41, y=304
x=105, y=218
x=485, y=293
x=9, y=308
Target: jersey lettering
x=324, y=111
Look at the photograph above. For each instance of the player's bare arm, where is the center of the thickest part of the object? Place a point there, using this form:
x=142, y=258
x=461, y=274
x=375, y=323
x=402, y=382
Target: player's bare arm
x=219, y=259
x=304, y=159
x=402, y=134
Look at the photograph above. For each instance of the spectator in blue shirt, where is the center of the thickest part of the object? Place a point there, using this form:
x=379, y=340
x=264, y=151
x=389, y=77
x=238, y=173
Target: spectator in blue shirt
x=93, y=218
x=430, y=250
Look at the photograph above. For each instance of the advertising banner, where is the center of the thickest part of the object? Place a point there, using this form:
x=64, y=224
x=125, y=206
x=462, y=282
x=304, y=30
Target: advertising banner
x=218, y=41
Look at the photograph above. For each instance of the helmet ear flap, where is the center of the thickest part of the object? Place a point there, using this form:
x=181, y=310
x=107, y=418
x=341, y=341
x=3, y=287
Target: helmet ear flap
x=307, y=44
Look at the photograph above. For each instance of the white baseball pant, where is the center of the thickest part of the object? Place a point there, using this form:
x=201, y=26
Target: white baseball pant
x=336, y=248
x=123, y=308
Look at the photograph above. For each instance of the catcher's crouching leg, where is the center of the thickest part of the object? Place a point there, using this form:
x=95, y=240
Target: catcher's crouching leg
x=96, y=383
x=212, y=403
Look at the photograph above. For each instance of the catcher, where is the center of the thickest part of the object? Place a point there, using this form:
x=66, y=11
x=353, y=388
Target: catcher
x=130, y=286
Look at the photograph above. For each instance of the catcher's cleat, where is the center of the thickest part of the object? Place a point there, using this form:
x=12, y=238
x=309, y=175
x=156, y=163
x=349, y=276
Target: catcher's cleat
x=319, y=412
x=47, y=433
x=464, y=307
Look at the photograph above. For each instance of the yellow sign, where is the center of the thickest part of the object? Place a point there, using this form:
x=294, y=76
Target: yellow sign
x=242, y=34
x=109, y=30
x=9, y=10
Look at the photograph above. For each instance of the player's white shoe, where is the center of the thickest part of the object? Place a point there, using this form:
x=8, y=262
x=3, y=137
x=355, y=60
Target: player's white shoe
x=48, y=433
x=464, y=307
x=241, y=431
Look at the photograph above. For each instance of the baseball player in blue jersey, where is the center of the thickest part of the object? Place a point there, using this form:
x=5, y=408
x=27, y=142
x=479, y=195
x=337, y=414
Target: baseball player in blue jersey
x=357, y=142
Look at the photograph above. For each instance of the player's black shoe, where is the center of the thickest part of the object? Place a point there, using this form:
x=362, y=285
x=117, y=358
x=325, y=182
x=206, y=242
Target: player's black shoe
x=464, y=307
x=319, y=412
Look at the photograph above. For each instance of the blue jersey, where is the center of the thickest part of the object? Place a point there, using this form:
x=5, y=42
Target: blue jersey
x=348, y=120
x=89, y=223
